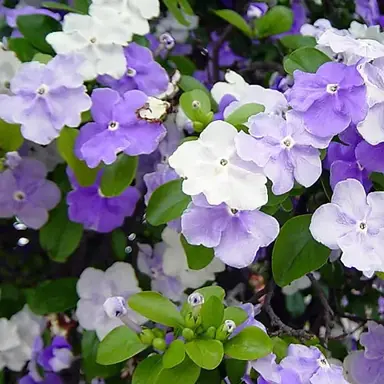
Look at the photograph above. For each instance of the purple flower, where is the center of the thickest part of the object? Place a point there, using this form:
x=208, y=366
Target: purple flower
x=252, y=311
x=280, y=83
x=143, y=73
x=45, y=98
x=256, y=10
x=88, y=206
x=284, y=149
x=299, y=11
x=121, y=124
x=25, y=193
x=236, y=236
x=226, y=57
x=57, y=356
x=330, y=99
x=368, y=10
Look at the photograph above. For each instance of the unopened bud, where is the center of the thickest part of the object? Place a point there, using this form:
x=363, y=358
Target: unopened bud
x=159, y=344
x=158, y=332
x=188, y=334
x=147, y=336
x=189, y=321
x=195, y=299
x=167, y=41
x=115, y=307
x=225, y=330
x=210, y=333
x=229, y=326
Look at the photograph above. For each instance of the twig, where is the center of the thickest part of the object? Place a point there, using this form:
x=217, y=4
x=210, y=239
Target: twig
x=215, y=53
x=276, y=321
x=258, y=295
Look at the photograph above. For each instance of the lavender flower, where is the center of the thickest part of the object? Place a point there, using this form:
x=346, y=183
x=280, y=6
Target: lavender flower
x=368, y=10
x=57, y=356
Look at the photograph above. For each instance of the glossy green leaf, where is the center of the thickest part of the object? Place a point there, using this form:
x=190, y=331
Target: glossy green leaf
x=119, y=175
x=212, y=312
x=35, y=28
x=242, y=114
x=235, y=314
x=148, y=371
x=89, y=345
x=305, y=59
x=60, y=7
x=174, y=355
x=235, y=370
x=273, y=199
x=277, y=20
x=198, y=256
x=378, y=180
x=81, y=5
x=213, y=290
x=53, y=296
x=183, y=64
x=173, y=8
x=60, y=237
x=10, y=137
x=141, y=40
x=280, y=348
x=189, y=83
x=250, y=344
x=156, y=307
x=185, y=373
x=236, y=20
x=305, y=254
x=65, y=145
x=119, y=345
x=207, y=354
x=119, y=243
x=209, y=377
x=167, y=203
x=42, y=58
x=196, y=105
x=297, y=41
x=23, y=49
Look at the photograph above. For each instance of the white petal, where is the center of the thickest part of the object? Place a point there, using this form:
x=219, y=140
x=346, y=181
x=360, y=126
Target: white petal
x=89, y=283
x=122, y=278
x=372, y=128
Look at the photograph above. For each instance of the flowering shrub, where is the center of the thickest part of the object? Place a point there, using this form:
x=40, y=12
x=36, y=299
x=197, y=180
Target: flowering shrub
x=192, y=192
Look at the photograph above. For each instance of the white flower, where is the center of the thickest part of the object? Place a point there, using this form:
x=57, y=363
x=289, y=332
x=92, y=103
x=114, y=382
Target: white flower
x=178, y=31
x=17, y=336
x=210, y=165
x=9, y=65
x=175, y=262
x=244, y=93
x=95, y=287
x=317, y=29
x=362, y=31
x=99, y=41
x=354, y=223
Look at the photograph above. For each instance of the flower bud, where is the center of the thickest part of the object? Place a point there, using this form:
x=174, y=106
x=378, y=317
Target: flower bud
x=167, y=41
x=189, y=321
x=225, y=330
x=147, y=336
x=158, y=333
x=188, y=334
x=159, y=344
x=229, y=326
x=115, y=307
x=195, y=299
x=210, y=332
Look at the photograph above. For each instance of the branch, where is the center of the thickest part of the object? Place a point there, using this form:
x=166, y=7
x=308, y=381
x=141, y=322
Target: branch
x=215, y=53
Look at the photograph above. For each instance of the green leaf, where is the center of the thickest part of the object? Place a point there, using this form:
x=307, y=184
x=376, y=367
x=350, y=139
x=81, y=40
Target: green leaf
x=141, y=40
x=212, y=312
x=184, y=373
x=81, y=5
x=35, y=28
x=295, y=304
x=236, y=20
x=207, y=354
x=235, y=370
x=174, y=355
x=305, y=254
x=119, y=243
x=23, y=49
x=12, y=300
x=10, y=137
x=60, y=237
x=190, y=100
x=119, y=175
x=60, y=7
x=89, y=345
x=250, y=344
x=183, y=64
x=273, y=199
x=277, y=20
x=65, y=145
x=242, y=114
x=297, y=41
x=186, y=7
x=119, y=345
x=156, y=307
x=280, y=347
x=212, y=290
x=173, y=8
x=53, y=296
x=378, y=180
x=209, y=377
x=167, y=203
x=198, y=256
x=235, y=314
x=42, y=58
x=148, y=371
x=189, y=83
x=305, y=59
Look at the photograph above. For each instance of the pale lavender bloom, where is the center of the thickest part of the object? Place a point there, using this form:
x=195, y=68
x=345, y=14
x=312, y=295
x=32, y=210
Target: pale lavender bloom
x=283, y=147
x=143, y=73
x=57, y=356
x=118, y=126
x=235, y=236
x=88, y=206
x=252, y=311
x=226, y=56
x=150, y=262
x=330, y=99
x=299, y=11
x=45, y=98
x=26, y=193
x=368, y=10
x=256, y=10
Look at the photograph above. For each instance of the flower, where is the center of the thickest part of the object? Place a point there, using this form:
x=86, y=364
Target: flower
x=57, y=356
x=256, y=10
x=366, y=366
x=175, y=263
x=142, y=73
x=252, y=311
x=9, y=65
x=235, y=236
x=368, y=10
x=317, y=29
x=98, y=41
x=17, y=336
x=25, y=193
x=88, y=206
x=95, y=286
x=43, y=100
x=119, y=126
x=352, y=222
x=283, y=148
x=211, y=166
x=330, y=99
x=244, y=93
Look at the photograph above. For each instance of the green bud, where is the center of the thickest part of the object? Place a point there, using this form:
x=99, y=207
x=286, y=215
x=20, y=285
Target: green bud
x=198, y=320
x=188, y=334
x=159, y=333
x=147, y=336
x=210, y=332
x=189, y=321
x=225, y=330
x=159, y=344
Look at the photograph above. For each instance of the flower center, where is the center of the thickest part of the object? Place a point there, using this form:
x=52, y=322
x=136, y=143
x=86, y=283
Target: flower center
x=223, y=162
x=7, y=85
x=287, y=142
x=362, y=226
x=332, y=88
x=19, y=196
x=93, y=40
x=234, y=211
x=323, y=362
x=42, y=90
x=131, y=72
x=113, y=125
